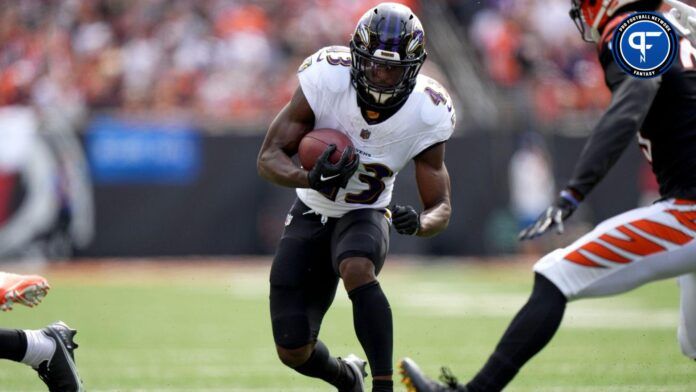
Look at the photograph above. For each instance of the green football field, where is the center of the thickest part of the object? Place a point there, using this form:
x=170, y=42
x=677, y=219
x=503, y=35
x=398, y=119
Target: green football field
x=203, y=326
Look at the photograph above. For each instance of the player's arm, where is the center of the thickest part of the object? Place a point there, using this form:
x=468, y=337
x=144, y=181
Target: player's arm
x=433, y=183
x=630, y=103
x=281, y=143
x=434, y=189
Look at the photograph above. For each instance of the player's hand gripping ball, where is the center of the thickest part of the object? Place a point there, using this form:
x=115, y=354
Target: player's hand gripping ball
x=330, y=158
x=315, y=143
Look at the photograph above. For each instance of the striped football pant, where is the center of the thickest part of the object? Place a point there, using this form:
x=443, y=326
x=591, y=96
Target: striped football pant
x=629, y=250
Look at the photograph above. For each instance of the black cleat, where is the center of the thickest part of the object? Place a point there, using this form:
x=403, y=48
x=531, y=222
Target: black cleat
x=60, y=373
x=357, y=366
x=415, y=381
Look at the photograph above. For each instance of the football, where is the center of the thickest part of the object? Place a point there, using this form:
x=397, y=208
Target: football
x=315, y=143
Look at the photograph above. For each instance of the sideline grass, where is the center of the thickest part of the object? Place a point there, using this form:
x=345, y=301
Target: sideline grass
x=204, y=327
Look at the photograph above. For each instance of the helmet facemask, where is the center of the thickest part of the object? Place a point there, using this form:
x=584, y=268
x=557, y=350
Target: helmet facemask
x=579, y=20
x=590, y=16
x=383, y=83
x=587, y=16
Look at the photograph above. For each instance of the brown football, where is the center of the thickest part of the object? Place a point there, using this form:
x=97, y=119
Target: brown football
x=314, y=143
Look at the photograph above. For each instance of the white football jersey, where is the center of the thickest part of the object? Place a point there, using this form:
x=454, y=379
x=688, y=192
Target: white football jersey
x=385, y=148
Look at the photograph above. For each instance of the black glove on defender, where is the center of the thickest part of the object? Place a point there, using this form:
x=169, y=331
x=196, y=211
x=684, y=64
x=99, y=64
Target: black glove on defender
x=562, y=209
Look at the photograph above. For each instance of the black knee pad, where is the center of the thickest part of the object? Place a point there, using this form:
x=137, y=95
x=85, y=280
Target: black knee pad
x=303, y=283
x=291, y=331
x=289, y=318
x=361, y=233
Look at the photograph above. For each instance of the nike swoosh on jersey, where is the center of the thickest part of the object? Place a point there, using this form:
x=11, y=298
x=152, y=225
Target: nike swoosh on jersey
x=321, y=177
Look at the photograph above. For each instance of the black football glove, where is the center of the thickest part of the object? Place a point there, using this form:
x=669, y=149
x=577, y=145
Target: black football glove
x=325, y=175
x=405, y=219
x=561, y=210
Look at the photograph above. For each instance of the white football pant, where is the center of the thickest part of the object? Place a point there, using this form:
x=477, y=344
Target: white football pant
x=629, y=250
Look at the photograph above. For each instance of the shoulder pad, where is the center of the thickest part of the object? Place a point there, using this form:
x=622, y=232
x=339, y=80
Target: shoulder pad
x=436, y=103
x=328, y=68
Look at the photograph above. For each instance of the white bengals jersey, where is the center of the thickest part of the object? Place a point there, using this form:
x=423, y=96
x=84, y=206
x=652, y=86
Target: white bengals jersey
x=385, y=148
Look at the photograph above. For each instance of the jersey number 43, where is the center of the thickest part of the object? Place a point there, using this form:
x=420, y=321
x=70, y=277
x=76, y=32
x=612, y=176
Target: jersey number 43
x=377, y=172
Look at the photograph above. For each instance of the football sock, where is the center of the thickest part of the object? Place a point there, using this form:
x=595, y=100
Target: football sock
x=372, y=319
x=40, y=348
x=382, y=385
x=323, y=366
x=13, y=344
x=529, y=332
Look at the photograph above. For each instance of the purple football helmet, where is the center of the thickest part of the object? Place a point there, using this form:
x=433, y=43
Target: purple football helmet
x=388, y=50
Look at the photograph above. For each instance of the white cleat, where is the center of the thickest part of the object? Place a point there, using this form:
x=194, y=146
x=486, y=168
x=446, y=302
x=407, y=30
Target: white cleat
x=357, y=366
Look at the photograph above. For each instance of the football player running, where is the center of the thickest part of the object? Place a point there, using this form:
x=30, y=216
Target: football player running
x=339, y=225
x=49, y=351
x=628, y=250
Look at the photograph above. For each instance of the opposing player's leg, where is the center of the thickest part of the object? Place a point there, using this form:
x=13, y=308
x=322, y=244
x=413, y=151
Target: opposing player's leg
x=622, y=253
x=49, y=351
x=303, y=286
x=687, y=321
x=529, y=332
x=27, y=290
x=359, y=246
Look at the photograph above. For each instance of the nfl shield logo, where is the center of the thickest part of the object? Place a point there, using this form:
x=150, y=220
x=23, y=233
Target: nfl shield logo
x=365, y=134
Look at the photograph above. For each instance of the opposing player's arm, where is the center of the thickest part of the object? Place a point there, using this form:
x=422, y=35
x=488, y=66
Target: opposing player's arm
x=274, y=161
x=631, y=101
x=434, y=189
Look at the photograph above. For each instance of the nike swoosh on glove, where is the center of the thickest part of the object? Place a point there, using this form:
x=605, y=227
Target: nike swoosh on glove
x=325, y=175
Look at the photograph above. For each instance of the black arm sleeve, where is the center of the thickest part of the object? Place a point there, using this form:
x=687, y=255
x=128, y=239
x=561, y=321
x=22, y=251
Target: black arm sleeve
x=630, y=103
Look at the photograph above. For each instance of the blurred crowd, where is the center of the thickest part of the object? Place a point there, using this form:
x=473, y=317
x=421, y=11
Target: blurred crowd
x=233, y=61
x=532, y=50
x=221, y=60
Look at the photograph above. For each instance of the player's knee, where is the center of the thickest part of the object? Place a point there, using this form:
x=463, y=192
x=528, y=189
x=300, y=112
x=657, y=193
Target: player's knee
x=294, y=357
x=546, y=293
x=291, y=331
x=356, y=272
